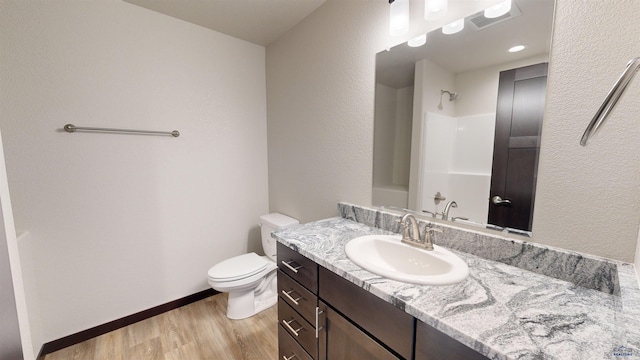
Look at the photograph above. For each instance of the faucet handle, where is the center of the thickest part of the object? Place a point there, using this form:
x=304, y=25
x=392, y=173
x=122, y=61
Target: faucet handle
x=428, y=242
x=433, y=215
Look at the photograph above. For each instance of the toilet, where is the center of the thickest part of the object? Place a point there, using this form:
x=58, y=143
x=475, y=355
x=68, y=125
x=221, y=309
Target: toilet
x=250, y=279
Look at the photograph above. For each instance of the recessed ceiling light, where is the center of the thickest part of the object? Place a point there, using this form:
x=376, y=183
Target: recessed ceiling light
x=517, y=48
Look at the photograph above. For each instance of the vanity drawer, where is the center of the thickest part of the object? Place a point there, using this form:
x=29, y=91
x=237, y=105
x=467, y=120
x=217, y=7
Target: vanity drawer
x=379, y=318
x=296, y=326
x=288, y=348
x=299, y=298
x=298, y=267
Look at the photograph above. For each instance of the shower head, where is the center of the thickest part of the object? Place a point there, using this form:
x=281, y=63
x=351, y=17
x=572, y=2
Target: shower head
x=452, y=95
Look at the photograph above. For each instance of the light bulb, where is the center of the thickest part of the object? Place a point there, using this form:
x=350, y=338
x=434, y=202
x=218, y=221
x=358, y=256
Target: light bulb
x=454, y=27
x=418, y=41
x=435, y=9
x=399, y=17
x=498, y=9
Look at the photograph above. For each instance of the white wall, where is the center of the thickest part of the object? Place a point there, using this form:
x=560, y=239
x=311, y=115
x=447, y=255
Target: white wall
x=586, y=197
x=320, y=78
x=122, y=223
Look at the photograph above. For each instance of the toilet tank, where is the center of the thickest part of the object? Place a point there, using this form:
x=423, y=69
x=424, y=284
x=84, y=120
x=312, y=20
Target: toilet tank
x=270, y=223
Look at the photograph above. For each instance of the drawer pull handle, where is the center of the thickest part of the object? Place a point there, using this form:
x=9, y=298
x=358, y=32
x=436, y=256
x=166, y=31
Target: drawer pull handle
x=288, y=264
x=294, y=331
x=290, y=357
x=287, y=294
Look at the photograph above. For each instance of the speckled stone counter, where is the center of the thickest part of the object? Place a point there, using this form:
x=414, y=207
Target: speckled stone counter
x=502, y=311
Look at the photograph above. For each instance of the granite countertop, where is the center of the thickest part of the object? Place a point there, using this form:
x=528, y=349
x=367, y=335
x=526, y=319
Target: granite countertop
x=502, y=311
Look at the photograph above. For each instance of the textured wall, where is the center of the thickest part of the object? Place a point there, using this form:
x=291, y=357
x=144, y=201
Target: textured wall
x=637, y=260
x=587, y=197
x=320, y=86
x=122, y=223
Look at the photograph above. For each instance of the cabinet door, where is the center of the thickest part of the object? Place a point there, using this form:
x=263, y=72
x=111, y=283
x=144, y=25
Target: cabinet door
x=433, y=344
x=342, y=340
x=385, y=322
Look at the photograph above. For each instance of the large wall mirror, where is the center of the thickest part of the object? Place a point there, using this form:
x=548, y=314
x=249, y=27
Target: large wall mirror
x=457, y=120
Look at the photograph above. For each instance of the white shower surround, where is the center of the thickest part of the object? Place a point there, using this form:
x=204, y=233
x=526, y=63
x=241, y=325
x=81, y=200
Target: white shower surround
x=457, y=157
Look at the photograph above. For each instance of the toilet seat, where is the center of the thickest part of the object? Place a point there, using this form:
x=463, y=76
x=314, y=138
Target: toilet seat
x=238, y=268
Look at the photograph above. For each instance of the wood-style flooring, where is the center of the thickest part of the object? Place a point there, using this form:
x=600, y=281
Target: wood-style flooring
x=200, y=330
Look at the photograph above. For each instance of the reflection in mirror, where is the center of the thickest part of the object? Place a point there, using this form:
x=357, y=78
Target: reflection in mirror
x=439, y=108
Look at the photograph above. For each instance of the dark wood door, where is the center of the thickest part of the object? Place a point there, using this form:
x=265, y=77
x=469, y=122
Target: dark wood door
x=521, y=96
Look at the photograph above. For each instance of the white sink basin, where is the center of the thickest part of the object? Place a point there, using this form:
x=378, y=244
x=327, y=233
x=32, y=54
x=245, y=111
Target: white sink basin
x=387, y=256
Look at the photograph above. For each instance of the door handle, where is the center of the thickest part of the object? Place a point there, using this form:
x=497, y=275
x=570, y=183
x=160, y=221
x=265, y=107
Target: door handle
x=318, y=327
x=497, y=200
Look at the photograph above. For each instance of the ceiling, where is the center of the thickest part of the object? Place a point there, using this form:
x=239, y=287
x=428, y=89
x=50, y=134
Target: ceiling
x=257, y=21
x=473, y=48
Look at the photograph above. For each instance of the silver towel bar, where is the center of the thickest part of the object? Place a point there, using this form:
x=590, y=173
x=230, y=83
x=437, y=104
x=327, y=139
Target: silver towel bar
x=72, y=128
x=610, y=101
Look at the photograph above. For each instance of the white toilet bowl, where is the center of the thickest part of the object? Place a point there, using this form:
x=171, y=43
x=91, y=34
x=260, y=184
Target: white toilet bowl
x=250, y=279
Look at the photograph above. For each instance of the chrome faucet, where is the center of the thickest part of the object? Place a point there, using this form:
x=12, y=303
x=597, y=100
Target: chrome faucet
x=445, y=212
x=411, y=235
x=410, y=220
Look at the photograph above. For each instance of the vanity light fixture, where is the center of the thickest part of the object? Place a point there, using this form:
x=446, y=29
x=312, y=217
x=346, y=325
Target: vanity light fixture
x=435, y=9
x=498, y=9
x=516, y=48
x=418, y=41
x=454, y=27
x=398, y=17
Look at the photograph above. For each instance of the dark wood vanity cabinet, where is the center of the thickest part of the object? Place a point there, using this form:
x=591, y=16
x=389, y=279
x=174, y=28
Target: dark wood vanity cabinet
x=310, y=328
x=323, y=316
x=434, y=344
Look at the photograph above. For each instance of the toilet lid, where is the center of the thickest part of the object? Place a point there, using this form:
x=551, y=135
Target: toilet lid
x=238, y=267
